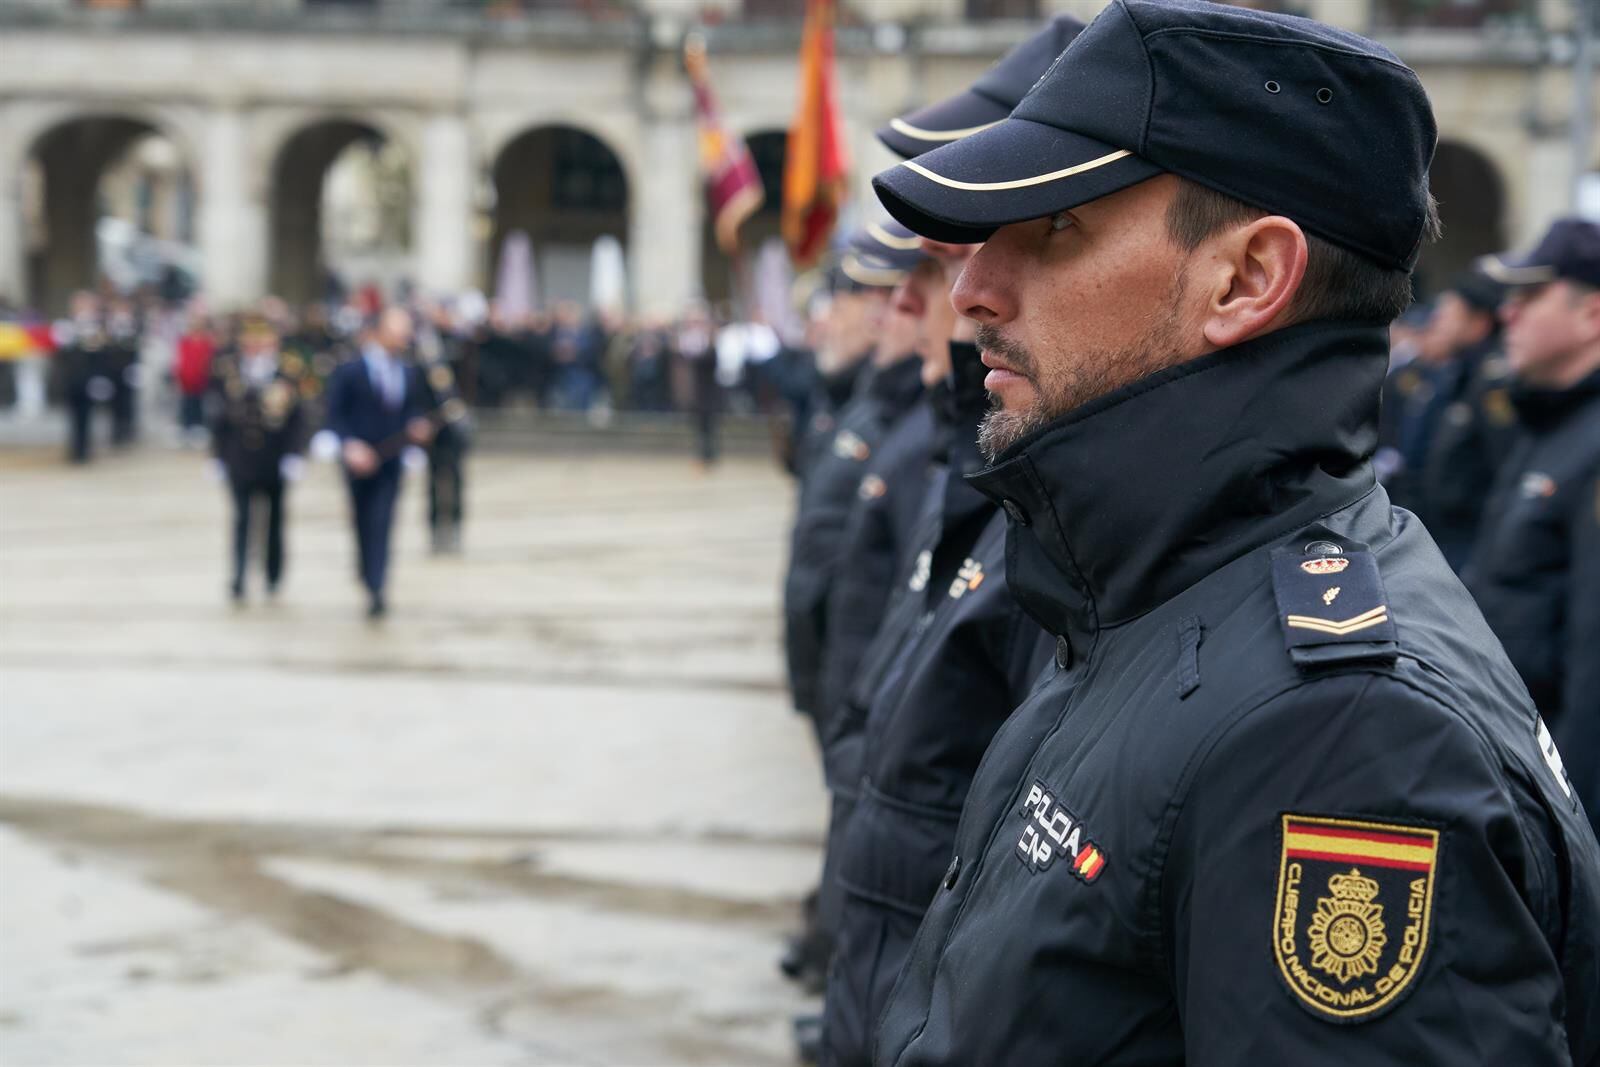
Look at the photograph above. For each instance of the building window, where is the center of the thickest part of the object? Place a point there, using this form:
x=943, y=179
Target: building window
x=1452, y=14
x=981, y=10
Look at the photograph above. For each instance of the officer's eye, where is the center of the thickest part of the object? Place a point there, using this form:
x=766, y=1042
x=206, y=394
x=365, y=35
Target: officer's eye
x=1060, y=221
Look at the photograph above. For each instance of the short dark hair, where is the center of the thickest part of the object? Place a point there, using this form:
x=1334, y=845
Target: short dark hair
x=1338, y=284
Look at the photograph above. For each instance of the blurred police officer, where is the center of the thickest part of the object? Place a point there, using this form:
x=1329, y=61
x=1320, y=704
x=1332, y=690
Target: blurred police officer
x=1455, y=418
x=833, y=458
x=376, y=408
x=447, y=451
x=956, y=652
x=83, y=371
x=124, y=335
x=1537, y=571
x=1284, y=800
x=258, y=435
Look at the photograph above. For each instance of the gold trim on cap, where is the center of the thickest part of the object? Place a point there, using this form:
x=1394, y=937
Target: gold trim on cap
x=901, y=126
x=1500, y=271
x=861, y=274
x=889, y=240
x=1020, y=183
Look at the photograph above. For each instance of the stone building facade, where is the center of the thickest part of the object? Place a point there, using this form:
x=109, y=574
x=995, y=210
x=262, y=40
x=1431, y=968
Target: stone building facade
x=572, y=118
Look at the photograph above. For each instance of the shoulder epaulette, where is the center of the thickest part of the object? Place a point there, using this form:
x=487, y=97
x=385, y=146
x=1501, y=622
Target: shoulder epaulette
x=1331, y=602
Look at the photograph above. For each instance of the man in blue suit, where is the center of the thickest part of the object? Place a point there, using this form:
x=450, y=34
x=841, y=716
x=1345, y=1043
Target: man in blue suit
x=376, y=408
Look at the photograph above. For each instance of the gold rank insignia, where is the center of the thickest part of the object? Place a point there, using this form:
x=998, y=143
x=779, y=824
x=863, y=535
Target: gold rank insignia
x=1354, y=912
x=1331, y=603
x=872, y=487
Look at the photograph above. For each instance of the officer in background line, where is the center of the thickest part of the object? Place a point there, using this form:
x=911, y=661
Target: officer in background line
x=258, y=438
x=447, y=453
x=83, y=371
x=1474, y=424
x=1283, y=798
x=1536, y=572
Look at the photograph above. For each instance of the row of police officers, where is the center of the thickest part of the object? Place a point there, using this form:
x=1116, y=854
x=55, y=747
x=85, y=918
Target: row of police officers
x=1155, y=731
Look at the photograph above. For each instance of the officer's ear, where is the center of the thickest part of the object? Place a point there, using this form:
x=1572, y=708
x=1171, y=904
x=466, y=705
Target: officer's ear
x=1255, y=273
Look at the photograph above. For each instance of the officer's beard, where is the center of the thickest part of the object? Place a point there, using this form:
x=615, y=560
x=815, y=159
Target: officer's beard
x=1074, y=378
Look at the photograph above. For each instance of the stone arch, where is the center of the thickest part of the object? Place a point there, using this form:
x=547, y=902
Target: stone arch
x=565, y=186
x=1471, y=192
x=718, y=272
x=302, y=155
x=59, y=161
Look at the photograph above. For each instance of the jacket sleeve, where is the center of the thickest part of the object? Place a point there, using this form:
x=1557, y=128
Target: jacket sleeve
x=216, y=404
x=1577, y=728
x=1255, y=922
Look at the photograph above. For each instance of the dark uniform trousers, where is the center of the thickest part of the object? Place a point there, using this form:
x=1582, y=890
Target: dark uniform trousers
x=247, y=497
x=1284, y=799
x=1536, y=569
x=356, y=410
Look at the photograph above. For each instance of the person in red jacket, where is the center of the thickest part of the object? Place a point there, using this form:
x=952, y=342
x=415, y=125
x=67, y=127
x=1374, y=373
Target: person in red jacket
x=192, y=369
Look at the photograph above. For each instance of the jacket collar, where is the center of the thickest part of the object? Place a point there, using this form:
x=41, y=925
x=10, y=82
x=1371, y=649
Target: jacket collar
x=1544, y=409
x=1123, y=503
x=897, y=386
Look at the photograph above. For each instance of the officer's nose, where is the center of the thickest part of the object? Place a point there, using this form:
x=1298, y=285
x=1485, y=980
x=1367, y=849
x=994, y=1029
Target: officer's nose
x=984, y=290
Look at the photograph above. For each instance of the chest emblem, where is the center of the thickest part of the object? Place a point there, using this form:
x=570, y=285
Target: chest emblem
x=872, y=487
x=848, y=445
x=1537, y=484
x=968, y=578
x=1325, y=565
x=1051, y=832
x=1354, y=910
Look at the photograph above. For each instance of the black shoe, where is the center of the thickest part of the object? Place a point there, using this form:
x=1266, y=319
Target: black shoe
x=377, y=609
x=808, y=1038
x=236, y=592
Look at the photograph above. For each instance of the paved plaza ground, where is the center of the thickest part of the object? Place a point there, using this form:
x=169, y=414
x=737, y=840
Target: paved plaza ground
x=553, y=810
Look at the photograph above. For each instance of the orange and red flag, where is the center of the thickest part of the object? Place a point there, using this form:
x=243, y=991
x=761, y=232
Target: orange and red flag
x=815, y=168
x=733, y=186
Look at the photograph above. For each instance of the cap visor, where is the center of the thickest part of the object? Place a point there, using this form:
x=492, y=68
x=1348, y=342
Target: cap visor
x=951, y=119
x=1018, y=170
x=1514, y=272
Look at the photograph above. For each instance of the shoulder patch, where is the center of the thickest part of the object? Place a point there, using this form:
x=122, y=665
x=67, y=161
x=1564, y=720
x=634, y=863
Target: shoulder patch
x=1331, y=603
x=1354, y=912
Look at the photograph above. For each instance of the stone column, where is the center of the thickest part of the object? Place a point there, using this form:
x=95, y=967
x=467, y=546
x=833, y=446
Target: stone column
x=666, y=208
x=444, y=211
x=231, y=215
x=13, y=258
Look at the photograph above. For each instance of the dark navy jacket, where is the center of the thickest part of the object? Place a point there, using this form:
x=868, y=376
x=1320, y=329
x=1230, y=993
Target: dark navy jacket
x=1285, y=801
x=1536, y=573
x=830, y=482
x=356, y=410
x=952, y=660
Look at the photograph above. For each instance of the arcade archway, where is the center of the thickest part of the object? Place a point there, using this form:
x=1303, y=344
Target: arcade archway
x=341, y=208
x=1471, y=198
x=108, y=202
x=565, y=189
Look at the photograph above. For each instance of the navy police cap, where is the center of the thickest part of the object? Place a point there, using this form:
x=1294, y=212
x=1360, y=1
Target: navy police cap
x=888, y=243
x=1289, y=115
x=1569, y=249
x=989, y=99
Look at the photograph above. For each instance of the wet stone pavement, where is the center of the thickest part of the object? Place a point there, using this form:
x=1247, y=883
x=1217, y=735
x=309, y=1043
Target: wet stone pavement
x=553, y=810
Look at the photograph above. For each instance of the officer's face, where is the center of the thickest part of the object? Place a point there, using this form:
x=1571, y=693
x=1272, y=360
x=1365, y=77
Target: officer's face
x=1072, y=307
x=1552, y=333
x=925, y=297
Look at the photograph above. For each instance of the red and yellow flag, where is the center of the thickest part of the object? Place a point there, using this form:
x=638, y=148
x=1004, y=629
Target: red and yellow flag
x=733, y=186
x=814, y=172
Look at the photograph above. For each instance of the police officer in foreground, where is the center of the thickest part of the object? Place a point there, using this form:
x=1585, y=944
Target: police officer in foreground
x=1284, y=799
x=1537, y=570
x=258, y=439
